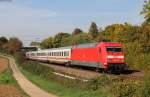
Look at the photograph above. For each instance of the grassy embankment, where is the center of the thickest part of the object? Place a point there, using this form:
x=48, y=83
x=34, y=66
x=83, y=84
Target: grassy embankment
x=6, y=78
x=103, y=86
x=42, y=77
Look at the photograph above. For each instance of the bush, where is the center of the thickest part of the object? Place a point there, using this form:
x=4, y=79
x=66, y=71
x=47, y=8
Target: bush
x=146, y=86
x=20, y=57
x=126, y=89
x=98, y=82
x=37, y=69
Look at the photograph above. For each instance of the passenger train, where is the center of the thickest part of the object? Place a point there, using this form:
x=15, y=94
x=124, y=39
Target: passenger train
x=103, y=55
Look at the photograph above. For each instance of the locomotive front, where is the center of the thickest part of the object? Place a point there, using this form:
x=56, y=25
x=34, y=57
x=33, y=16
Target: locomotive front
x=113, y=56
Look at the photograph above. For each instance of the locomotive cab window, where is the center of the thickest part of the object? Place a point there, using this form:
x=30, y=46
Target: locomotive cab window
x=114, y=49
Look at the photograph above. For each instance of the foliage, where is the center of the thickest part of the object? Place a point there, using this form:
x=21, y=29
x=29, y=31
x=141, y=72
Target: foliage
x=47, y=43
x=58, y=38
x=93, y=31
x=76, y=31
x=34, y=43
x=36, y=68
x=146, y=11
x=67, y=41
x=99, y=82
x=20, y=57
x=3, y=43
x=146, y=86
x=126, y=89
x=14, y=45
x=82, y=38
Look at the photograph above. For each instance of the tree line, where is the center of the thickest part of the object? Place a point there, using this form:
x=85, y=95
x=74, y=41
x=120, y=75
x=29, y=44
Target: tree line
x=10, y=46
x=63, y=39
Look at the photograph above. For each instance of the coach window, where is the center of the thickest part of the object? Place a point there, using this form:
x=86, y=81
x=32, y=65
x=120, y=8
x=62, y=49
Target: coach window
x=65, y=54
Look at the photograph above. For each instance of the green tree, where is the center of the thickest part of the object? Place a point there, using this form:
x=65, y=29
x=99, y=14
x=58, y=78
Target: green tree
x=59, y=37
x=67, y=41
x=93, y=31
x=3, y=42
x=146, y=11
x=34, y=43
x=47, y=43
x=82, y=38
x=77, y=31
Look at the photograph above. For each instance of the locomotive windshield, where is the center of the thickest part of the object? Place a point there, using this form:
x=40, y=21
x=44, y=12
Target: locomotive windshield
x=114, y=49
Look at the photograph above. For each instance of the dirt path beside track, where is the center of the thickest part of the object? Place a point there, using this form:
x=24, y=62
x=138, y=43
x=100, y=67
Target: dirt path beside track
x=31, y=89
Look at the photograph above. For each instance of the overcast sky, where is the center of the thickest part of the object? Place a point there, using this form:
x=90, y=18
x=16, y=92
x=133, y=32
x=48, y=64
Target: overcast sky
x=31, y=20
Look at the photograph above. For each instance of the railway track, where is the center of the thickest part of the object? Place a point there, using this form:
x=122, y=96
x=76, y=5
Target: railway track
x=137, y=75
x=88, y=74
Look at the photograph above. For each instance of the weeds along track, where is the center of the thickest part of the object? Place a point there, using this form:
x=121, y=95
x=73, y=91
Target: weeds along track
x=88, y=74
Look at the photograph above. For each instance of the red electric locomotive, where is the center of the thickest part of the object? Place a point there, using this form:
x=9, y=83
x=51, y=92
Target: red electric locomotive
x=106, y=55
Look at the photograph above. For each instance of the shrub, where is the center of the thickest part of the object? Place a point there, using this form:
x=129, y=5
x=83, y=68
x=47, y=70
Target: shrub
x=126, y=89
x=98, y=82
x=20, y=57
x=37, y=68
x=146, y=86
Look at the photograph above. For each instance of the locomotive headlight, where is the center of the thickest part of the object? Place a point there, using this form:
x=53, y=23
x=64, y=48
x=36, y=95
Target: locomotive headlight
x=120, y=56
x=110, y=56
